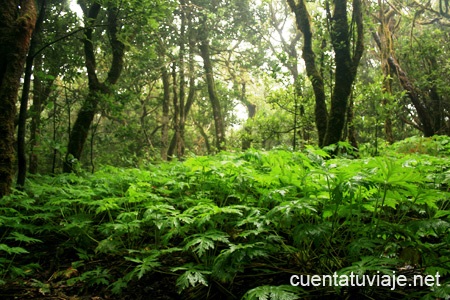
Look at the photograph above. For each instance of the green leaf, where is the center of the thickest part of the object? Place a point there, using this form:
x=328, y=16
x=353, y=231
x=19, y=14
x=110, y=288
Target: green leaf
x=268, y=292
x=192, y=276
x=12, y=250
x=17, y=236
x=202, y=242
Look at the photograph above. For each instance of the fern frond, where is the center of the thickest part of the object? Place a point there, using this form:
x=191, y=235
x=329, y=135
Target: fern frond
x=268, y=292
x=202, y=242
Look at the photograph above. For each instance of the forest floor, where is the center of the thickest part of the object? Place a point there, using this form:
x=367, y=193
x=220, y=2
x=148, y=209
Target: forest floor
x=231, y=226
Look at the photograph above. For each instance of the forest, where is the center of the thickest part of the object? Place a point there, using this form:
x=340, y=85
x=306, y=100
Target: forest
x=224, y=149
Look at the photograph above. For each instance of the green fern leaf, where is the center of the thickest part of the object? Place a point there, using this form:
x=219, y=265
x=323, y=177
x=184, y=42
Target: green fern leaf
x=193, y=275
x=267, y=292
x=12, y=250
x=17, y=236
x=202, y=242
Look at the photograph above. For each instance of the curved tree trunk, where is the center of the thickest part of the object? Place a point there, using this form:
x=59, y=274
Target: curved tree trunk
x=97, y=89
x=330, y=125
x=17, y=21
x=426, y=124
x=430, y=117
x=303, y=20
x=213, y=98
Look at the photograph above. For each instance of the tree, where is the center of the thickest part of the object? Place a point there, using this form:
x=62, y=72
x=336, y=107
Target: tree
x=423, y=63
x=97, y=88
x=183, y=97
x=346, y=59
x=54, y=54
x=21, y=153
x=17, y=21
x=289, y=48
x=209, y=75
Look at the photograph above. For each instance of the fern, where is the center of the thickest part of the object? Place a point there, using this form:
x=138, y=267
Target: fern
x=192, y=276
x=144, y=265
x=267, y=292
x=231, y=217
x=202, y=242
x=370, y=264
x=232, y=260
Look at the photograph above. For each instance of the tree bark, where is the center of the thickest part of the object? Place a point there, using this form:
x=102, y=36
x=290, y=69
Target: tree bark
x=21, y=151
x=165, y=114
x=251, y=112
x=422, y=113
x=303, y=20
x=174, y=144
x=346, y=66
x=427, y=103
x=42, y=89
x=17, y=21
x=350, y=124
x=384, y=40
x=181, y=111
x=330, y=126
x=97, y=89
x=213, y=98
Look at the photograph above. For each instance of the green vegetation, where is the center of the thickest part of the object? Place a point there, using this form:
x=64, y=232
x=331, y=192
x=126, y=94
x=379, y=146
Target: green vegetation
x=224, y=149
x=232, y=226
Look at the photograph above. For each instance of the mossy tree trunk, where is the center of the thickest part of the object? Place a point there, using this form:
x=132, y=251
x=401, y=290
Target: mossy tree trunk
x=97, y=89
x=346, y=59
x=429, y=116
x=17, y=21
x=29, y=62
x=213, y=97
x=303, y=20
x=346, y=64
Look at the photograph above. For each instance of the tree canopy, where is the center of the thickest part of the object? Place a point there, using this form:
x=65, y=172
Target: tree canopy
x=151, y=80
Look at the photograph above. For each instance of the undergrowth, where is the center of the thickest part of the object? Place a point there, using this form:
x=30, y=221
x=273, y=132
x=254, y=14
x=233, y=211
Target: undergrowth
x=231, y=226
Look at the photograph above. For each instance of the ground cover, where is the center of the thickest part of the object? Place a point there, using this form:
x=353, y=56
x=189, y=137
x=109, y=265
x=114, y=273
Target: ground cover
x=232, y=226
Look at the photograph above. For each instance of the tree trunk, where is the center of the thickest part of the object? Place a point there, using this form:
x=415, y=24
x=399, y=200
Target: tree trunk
x=330, y=126
x=205, y=137
x=21, y=155
x=303, y=20
x=41, y=91
x=213, y=98
x=165, y=114
x=182, y=83
x=97, y=89
x=17, y=21
x=21, y=151
x=174, y=144
x=384, y=41
x=184, y=104
x=346, y=66
x=425, y=122
x=351, y=126
x=251, y=112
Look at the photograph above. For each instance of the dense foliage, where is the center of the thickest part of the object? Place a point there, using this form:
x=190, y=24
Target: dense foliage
x=234, y=225
x=215, y=149
x=126, y=82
